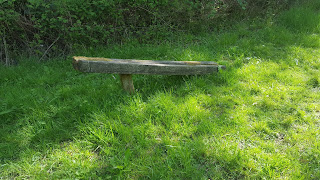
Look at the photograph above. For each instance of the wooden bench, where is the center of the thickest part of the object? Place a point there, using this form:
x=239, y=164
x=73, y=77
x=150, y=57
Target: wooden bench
x=126, y=67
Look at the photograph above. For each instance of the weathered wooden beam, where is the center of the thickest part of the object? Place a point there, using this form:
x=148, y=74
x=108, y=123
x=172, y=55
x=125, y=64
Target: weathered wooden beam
x=129, y=66
x=126, y=67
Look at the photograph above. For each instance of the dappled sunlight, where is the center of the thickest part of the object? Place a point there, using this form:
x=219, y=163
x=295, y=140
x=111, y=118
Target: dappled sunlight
x=311, y=40
x=69, y=159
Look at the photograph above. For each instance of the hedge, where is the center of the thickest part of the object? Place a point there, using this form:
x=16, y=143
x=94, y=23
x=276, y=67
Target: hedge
x=36, y=25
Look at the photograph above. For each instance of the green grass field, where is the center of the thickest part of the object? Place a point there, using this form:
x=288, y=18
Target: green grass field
x=259, y=119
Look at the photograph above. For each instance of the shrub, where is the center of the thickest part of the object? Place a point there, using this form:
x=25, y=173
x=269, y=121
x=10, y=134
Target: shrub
x=40, y=25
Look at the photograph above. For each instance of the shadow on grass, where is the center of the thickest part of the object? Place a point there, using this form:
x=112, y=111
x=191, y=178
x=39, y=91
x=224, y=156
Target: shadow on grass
x=42, y=113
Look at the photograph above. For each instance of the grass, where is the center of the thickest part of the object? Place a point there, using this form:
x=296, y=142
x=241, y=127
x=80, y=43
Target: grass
x=259, y=119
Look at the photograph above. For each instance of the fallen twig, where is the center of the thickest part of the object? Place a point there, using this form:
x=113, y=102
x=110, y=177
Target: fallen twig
x=7, y=60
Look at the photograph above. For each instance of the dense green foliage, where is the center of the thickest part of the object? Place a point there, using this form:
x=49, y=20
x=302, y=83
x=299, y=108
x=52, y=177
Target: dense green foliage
x=33, y=25
x=259, y=119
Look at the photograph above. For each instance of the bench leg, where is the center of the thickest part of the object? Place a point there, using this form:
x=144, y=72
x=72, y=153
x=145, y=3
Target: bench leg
x=127, y=83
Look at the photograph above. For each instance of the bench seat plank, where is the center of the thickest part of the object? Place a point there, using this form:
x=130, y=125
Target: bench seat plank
x=130, y=66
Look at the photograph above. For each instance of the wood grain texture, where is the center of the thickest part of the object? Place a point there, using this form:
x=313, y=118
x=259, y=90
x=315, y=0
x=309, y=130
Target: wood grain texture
x=131, y=66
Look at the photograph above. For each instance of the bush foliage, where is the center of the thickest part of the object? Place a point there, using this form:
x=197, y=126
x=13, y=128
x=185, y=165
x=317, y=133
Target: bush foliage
x=34, y=25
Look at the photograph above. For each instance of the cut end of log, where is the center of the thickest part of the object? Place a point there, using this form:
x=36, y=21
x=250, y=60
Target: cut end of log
x=75, y=64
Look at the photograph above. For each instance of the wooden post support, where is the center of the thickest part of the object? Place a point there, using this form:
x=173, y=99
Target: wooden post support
x=127, y=83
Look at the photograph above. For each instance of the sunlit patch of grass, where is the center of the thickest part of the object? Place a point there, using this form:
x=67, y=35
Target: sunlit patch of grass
x=71, y=160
